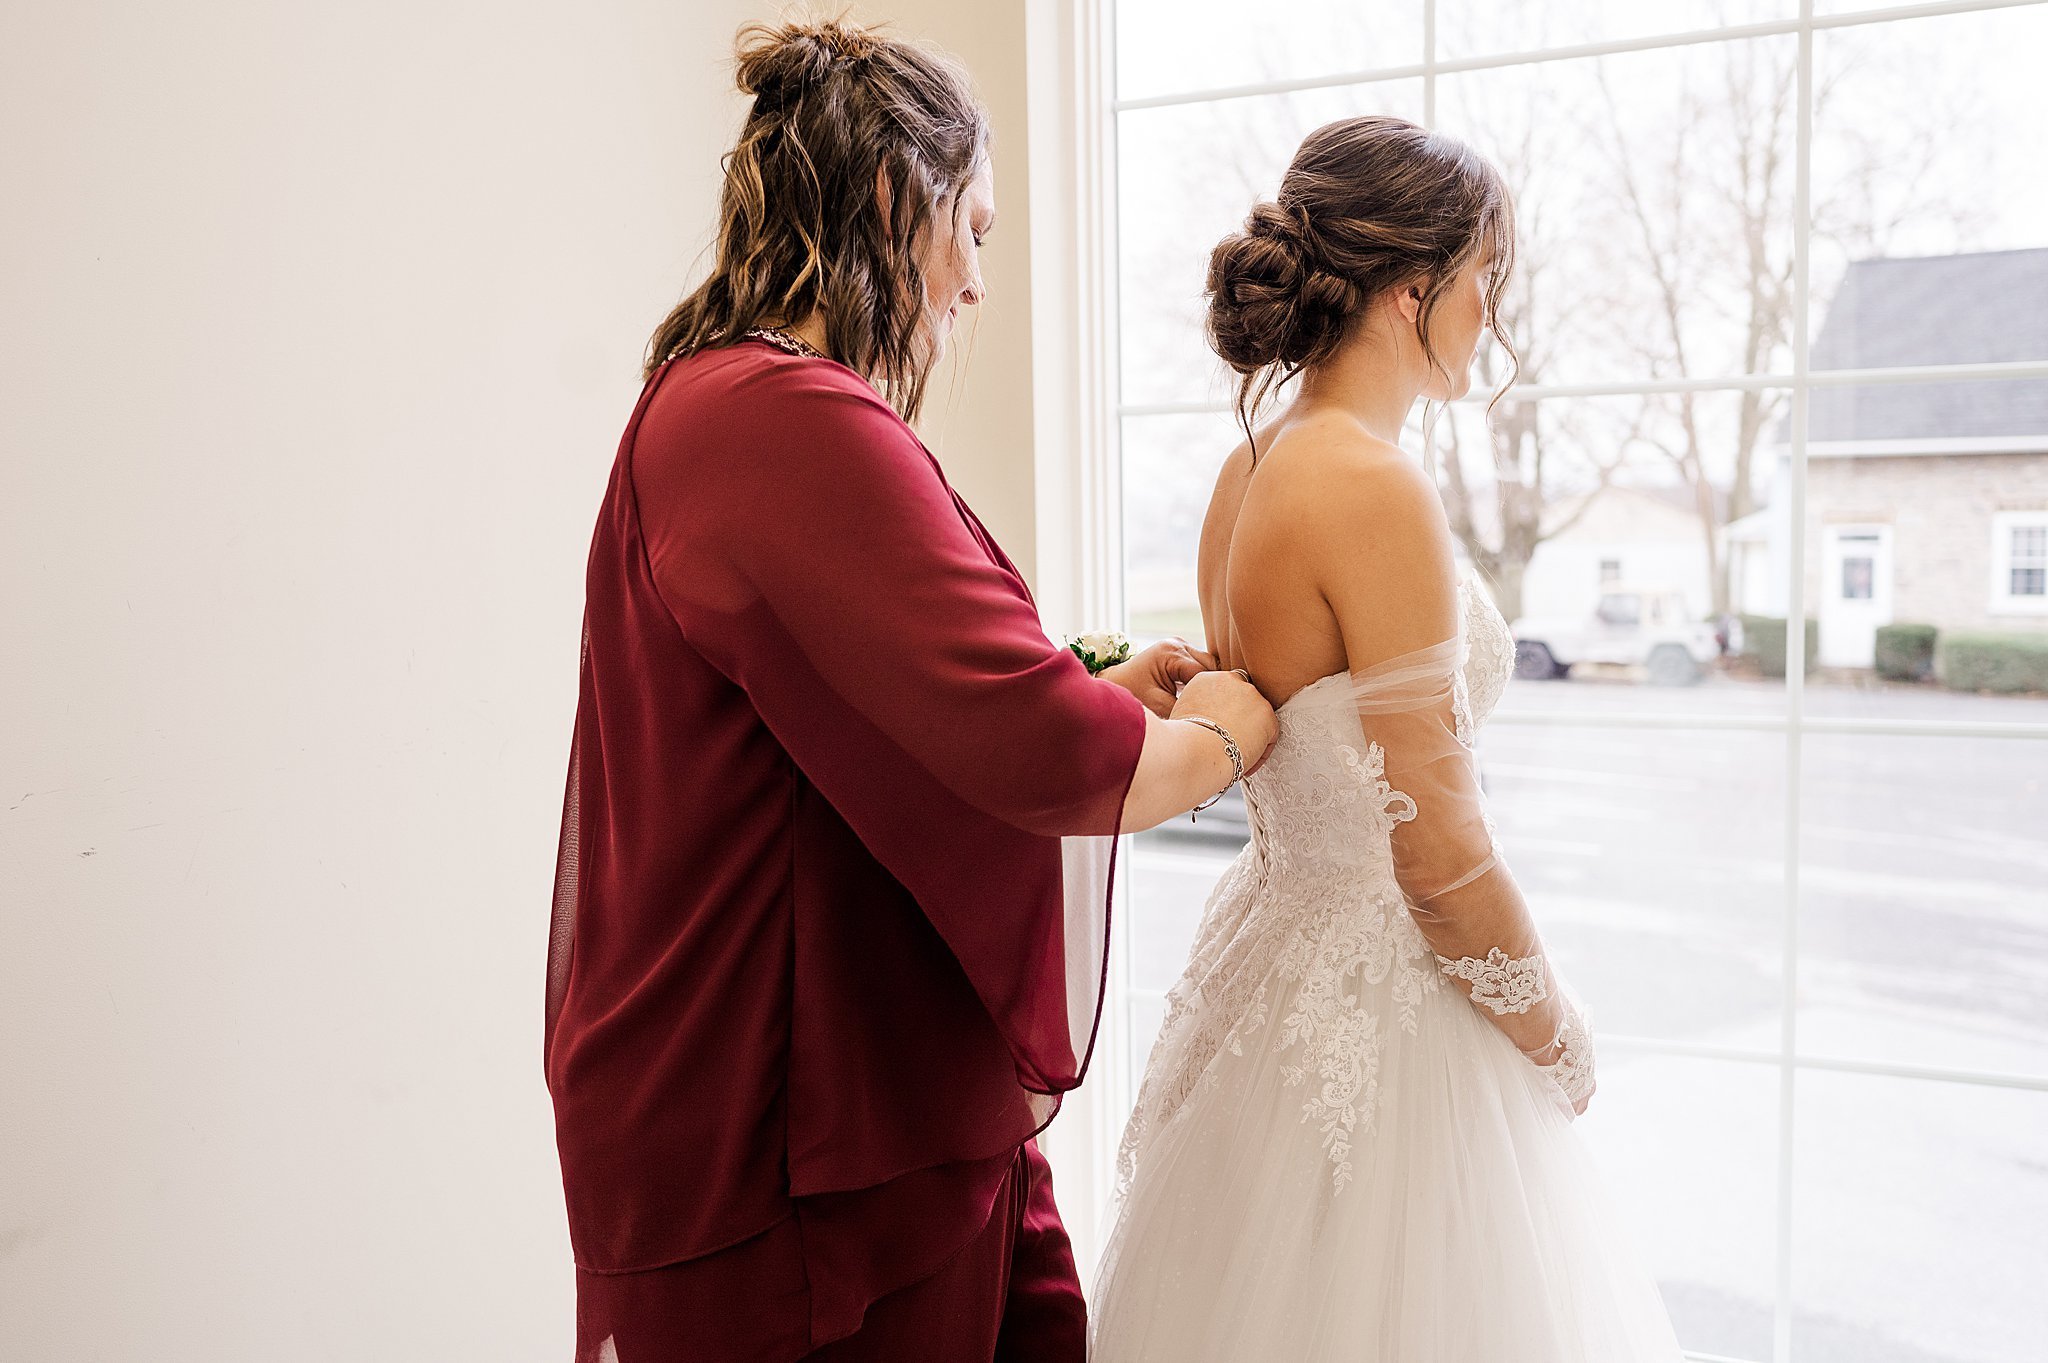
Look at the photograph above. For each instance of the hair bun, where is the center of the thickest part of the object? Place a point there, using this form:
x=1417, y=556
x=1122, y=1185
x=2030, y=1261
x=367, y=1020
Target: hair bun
x=1272, y=220
x=777, y=59
x=1271, y=301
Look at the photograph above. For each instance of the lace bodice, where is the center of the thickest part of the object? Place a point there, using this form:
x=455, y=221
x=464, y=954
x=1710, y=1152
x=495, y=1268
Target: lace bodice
x=1311, y=910
x=1304, y=800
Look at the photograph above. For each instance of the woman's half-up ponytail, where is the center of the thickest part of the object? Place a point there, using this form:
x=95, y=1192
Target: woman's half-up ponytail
x=801, y=229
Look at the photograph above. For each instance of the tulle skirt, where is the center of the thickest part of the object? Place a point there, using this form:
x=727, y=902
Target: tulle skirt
x=1472, y=1226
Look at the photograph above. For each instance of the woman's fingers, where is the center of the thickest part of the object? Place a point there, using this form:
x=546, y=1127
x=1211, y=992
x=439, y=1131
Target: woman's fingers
x=1147, y=677
x=1157, y=675
x=1183, y=662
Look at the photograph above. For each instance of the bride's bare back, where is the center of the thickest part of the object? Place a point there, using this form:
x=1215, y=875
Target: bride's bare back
x=1329, y=555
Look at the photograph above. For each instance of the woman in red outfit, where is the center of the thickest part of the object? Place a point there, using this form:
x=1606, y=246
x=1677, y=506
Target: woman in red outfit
x=819, y=971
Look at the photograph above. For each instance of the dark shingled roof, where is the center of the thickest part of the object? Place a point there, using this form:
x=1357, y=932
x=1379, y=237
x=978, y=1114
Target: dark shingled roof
x=1966, y=309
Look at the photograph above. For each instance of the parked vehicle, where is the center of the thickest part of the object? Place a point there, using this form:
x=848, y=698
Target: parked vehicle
x=1646, y=627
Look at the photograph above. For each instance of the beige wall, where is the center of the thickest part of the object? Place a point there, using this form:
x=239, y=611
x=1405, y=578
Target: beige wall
x=979, y=418
x=321, y=322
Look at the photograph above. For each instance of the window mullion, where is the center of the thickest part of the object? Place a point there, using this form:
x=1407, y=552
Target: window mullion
x=1795, y=689
x=1429, y=63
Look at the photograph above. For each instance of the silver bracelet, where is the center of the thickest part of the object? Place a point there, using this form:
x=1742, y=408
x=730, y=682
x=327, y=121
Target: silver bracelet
x=1229, y=746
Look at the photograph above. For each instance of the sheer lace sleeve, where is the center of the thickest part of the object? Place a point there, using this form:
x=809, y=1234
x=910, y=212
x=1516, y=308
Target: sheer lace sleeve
x=1464, y=898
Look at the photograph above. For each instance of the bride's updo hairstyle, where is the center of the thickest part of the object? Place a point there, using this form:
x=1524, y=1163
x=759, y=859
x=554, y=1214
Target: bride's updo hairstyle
x=1368, y=205
x=800, y=227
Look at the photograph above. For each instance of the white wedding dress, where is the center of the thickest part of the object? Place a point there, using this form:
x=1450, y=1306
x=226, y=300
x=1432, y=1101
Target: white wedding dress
x=1336, y=1154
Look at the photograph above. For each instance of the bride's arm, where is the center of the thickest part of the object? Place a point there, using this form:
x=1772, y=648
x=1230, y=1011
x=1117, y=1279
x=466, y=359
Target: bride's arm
x=1385, y=565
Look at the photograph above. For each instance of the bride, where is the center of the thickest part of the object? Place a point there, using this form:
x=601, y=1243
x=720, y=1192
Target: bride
x=1354, y=1138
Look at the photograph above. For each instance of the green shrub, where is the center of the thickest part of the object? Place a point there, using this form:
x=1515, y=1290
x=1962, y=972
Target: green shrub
x=1763, y=638
x=1994, y=662
x=1905, y=652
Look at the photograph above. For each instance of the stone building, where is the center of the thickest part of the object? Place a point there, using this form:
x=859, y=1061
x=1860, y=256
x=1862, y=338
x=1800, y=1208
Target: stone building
x=1925, y=502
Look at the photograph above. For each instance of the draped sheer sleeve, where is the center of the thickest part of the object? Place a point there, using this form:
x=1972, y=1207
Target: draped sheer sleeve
x=1383, y=555
x=1462, y=894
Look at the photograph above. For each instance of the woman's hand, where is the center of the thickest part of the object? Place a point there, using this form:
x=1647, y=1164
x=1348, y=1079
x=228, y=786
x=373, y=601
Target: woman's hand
x=1184, y=764
x=1157, y=675
x=1568, y=1061
x=1236, y=704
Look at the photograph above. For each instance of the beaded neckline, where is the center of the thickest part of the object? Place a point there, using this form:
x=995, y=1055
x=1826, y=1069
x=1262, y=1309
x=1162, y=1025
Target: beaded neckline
x=785, y=341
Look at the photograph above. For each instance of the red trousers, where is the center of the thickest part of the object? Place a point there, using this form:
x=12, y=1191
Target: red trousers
x=1010, y=1296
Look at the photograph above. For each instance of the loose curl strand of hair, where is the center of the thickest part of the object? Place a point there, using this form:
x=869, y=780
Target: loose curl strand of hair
x=801, y=226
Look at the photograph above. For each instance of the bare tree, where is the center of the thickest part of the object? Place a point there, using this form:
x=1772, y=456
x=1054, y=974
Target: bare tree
x=1529, y=457
x=1705, y=204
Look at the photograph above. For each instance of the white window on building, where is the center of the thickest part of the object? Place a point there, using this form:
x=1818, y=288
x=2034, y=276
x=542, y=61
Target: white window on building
x=1610, y=570
x=2019, y=562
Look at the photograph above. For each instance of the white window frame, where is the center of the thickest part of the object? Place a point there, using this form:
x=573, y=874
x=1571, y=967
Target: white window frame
x=2003, y=599
x=1073, y=126
x=1071, y=150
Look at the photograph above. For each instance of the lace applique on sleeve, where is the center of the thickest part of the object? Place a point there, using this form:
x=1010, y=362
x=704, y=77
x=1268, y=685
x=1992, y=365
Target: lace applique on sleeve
x=1415, y=708
x=1572, y=1071
x=1501, y=983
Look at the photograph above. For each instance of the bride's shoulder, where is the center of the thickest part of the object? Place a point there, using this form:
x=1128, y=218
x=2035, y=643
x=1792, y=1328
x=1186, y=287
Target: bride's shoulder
x=1335, y=470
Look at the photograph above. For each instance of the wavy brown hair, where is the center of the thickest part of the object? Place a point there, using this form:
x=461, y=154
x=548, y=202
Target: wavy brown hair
x=1369, y=204
x=801, y=228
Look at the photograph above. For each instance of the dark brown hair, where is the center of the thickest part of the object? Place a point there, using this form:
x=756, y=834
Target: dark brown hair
x=1369, y=204
x=800, y=226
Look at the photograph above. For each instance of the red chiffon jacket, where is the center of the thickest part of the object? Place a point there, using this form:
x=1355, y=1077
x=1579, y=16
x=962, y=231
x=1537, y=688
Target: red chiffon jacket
x=812, y=978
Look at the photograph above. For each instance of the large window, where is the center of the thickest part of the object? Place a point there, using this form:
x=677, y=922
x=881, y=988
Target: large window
x=1782, y=312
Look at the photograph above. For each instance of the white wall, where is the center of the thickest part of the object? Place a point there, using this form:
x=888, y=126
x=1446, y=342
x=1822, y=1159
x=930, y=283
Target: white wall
x=320, y=325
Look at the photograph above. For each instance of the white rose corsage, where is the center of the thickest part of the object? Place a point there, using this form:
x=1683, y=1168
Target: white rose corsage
x=1103, y=649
